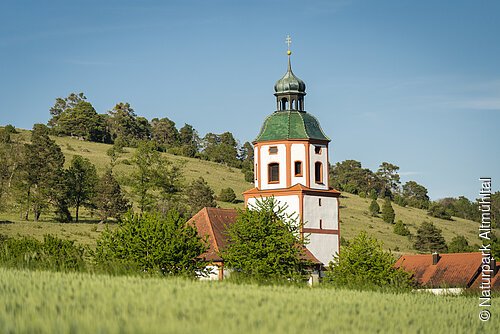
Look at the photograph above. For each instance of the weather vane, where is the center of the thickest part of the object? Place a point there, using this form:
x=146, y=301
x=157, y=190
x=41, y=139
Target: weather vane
x=288, y=41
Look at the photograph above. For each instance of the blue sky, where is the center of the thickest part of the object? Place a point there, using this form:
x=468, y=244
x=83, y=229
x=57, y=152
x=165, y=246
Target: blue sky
x=415, y=83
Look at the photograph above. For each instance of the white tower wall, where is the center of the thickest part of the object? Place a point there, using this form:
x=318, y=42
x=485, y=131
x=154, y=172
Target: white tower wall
x=265, y=159
x=298, y=153
x=323, y=246
x=327, y=212
x=292, y=202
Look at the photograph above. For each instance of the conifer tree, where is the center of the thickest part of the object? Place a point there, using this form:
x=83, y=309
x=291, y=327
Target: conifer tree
x=374, y=208
x=401, y=229
x=388, y=214
x=109, y=198
x=200, y=195
x=459, y=244
x=429, y=239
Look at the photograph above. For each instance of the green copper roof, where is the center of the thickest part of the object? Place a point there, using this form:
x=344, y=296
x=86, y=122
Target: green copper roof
x=290, y=83
x=284, y=125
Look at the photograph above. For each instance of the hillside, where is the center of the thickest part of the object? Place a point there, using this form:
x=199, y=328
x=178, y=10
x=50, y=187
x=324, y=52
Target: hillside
x=354, y=215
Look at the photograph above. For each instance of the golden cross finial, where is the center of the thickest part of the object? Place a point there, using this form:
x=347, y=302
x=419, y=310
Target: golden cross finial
x=288, y=41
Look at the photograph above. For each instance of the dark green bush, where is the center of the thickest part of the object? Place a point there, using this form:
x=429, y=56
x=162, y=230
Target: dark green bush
x=401, y=229
x=227, y=195
x=249, y=176
x=363, y=264
x=439, y=211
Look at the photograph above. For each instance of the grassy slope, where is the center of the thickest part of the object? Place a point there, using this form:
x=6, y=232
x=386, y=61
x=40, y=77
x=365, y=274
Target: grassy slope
x=353, y=214
x=45, y=302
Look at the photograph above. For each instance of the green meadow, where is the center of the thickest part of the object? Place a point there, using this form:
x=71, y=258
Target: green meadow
x=354, y=213
x=55, y=302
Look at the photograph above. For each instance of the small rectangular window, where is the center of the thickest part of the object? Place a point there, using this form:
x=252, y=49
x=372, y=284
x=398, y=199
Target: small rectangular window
x=273, y=150
x=274, y=173
x=321, y=224
x=317, y=149
x=319, y=202
x=298, y=168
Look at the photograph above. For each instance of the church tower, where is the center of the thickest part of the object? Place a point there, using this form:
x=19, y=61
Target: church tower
x=291, y=164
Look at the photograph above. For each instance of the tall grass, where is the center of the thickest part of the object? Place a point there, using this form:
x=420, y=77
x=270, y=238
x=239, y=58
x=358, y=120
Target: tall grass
x=52, y=302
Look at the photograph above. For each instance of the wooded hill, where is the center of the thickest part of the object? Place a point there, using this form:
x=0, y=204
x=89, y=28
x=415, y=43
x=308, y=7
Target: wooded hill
x=355, y=215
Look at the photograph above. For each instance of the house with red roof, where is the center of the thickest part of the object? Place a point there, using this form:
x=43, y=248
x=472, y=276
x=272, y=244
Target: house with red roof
x=211, y=224
x=454, y=270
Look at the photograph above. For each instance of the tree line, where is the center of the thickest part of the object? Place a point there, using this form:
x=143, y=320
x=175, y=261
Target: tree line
x=351, y=177
x=33, y=180
x=75, y=116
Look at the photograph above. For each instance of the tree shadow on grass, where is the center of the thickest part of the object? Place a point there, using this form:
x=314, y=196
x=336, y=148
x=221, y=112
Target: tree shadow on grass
x=5, y=222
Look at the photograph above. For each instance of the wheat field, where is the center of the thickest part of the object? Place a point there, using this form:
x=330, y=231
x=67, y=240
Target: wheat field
x=50, y=302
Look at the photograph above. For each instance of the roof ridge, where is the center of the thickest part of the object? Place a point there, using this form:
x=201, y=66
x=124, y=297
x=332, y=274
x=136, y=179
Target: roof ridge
x=264, y=127
x=443, y=254
x=319, y=126
x=288, y=127
x=304, y=126
x=216, y=246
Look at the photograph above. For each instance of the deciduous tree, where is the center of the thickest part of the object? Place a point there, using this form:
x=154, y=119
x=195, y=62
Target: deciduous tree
x=64, y=104
x=364, y=264
x=415, y=195
x=388, y=173
x=81, y=178
x=144, y=179
x=41, y=169
x=126, y=126
x=437, y=210
x=189, y=141
x=264, y=244
x=152, y=243
x=164, y=132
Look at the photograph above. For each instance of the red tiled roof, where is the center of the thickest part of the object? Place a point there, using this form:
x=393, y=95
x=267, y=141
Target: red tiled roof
x=212, y=223
x=295, y=188
x=452, y=270
x=494, y=282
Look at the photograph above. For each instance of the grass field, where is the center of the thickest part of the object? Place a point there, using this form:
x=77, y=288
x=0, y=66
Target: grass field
x=47, y=302
x=354, y=214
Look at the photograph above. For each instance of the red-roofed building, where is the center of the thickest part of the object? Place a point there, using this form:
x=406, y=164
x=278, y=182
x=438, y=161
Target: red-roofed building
x=454, y=270
x=211, y=223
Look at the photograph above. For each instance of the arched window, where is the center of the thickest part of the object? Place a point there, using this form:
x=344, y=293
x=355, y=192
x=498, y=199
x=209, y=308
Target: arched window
x=284, y=103
x=318, y=172
x=273, y=172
